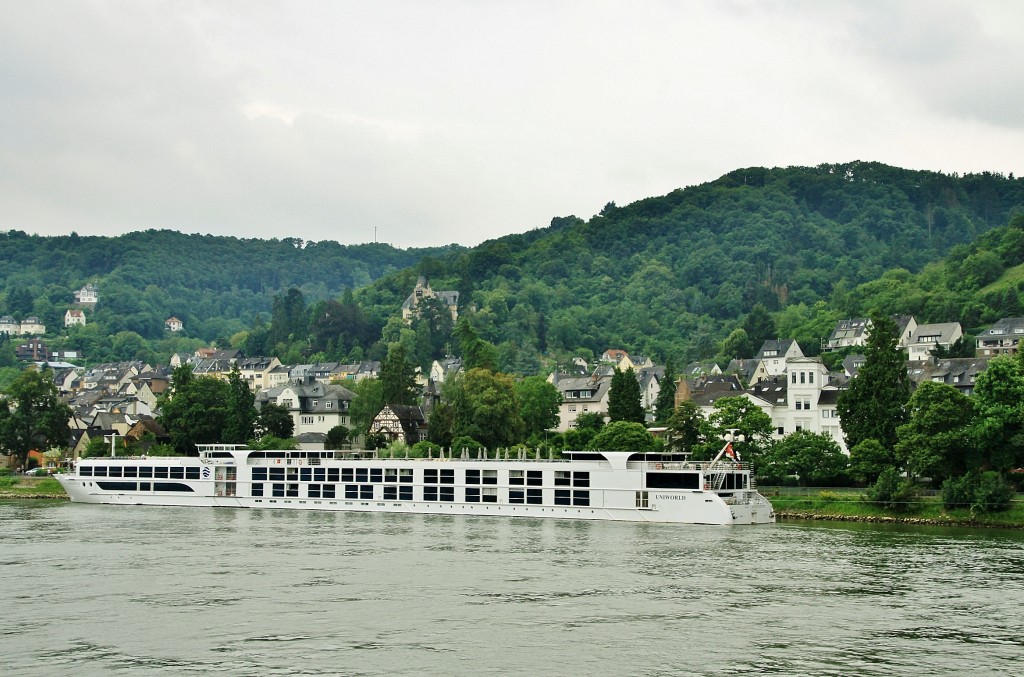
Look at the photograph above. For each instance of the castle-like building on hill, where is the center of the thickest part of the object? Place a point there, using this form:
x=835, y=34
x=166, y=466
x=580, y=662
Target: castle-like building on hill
x=423, y=291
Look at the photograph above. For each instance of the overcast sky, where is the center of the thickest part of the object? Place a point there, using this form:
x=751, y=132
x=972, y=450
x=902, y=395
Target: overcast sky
x=436, y=122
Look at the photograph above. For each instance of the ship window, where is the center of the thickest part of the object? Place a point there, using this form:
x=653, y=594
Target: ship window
x=348, y=475
x=563, y=478
x=85, y=471
x=376, y=475
x=472, y=495
x=319, y=475
x=160, y=473
x=535, y=496
x=366, y=491
x=362, y=475
x=448, y=476
x=145, y=471
x=191, y=473
x=117, y=486
x=259, y=474
x=534, y=478
x=144, y=486
x=516, y=477
x=351, y=491
x=257, y=490
x=293, y=491
x=292, y=474
x=489, y=476
x=448, y=494
x=642, y=499
x=171, y=486
x=390, y=474
x=405, y=475
x=332, y=475
x=472, y=477
x=563, y=497
x=430, y=493
x=100, y=471
x=430, y=476
x=177, y=473
x=278, y=490
x=131, y=471
x=306, y=475
x=489, y=494
x=581, y=479
x=114, y=471
x=327, y=491
x=277, y=474
x=673, y=480
x=390, y=493
x=516, y=496
x=405, y=493
x=580, y=497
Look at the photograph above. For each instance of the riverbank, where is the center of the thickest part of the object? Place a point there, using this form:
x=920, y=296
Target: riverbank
x=925, y=511
x=12, y=486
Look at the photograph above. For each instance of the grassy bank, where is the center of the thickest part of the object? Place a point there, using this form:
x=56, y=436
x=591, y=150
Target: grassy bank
x=852, y=506
x=18, y=486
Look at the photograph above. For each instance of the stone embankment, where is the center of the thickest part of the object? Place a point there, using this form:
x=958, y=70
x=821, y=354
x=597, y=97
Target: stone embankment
x=885, y=519
x=8, y=495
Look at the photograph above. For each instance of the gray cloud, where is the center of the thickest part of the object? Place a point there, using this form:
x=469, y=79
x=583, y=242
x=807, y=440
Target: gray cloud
x=462, y=121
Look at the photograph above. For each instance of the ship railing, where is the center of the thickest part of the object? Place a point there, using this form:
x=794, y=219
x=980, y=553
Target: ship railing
x=703, y=466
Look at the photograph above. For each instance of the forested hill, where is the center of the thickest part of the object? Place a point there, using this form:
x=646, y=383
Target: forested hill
x=217, y=285
x=672, y=275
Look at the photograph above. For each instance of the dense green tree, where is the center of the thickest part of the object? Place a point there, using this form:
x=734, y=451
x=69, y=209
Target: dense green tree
x=32, y=416
x=275, y=420
x=337, y=437
x=688, y=430
x=8, y=358
x=665, y=404
x=240, y=423
x=194, y=410
x=486, y=408
x=441, y=424
x=814, y=458
x=868, y=459
x=538, y=402
x=590, y=420
x=289, y=318
x=874, y=405
x=760, y=327
x=999, y=428
x=623, y=436
x=937, y=440
x=741, y=415
x=738, y=345
x=398, y=377
x=624, y=397
x=367, y=402
x=476, y=352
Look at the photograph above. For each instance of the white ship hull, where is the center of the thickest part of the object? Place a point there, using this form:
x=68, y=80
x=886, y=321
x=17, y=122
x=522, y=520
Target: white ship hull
x=594, y=485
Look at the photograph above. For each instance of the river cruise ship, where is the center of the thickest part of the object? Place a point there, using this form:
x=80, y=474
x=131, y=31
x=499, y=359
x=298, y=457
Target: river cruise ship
x=605, y=485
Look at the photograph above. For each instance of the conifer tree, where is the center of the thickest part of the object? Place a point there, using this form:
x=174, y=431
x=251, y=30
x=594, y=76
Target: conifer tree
x=624, y=397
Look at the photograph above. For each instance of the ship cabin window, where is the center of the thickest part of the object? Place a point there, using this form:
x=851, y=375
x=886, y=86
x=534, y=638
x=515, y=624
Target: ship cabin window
x=259, y=474
x=563, y=478
x=257, y=489
x=160, y=473
x=516, y=478
x=430, y=477
x=535, y=496
x=327, y=491
x=472, y=477
x=642, y=499
x=145, y=471
x=673, y=480
x=145, y=486
x=563, y=497
x=191, y=473
x=117, y=486
x=313, y=491
x=516, y=496
x=472, y=494
x=489, y=476
x=580, y=497
x=277, y=474
x=333, y=475
x=489, y=494
x=171, y=486
x=429, y=493
x=405, y=475
x=293, y=491
x=85, y=471
x=278, y=490
x=100, y=471
x=448, y=477
x=131, y=471
x=448, y=494
x=319, y=475
x=390, y=475
x=376, y=475
x=305, y=474
x=395, y=493
x=114, y=471
x=177, y=473
x=534, y=478
x=581, y=479
x=734, y=480
x=292, y=474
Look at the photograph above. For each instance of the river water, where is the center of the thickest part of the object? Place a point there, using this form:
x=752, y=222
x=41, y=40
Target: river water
x=109, y=590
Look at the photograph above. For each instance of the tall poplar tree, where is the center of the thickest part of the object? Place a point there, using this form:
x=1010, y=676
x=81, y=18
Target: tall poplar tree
x=875, y=404
x=398, y=377
x=240, y=424
x=624, y=397
x=665, y=405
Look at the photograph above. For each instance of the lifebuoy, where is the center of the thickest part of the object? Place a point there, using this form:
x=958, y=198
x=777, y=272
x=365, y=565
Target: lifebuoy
x=657, y=466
